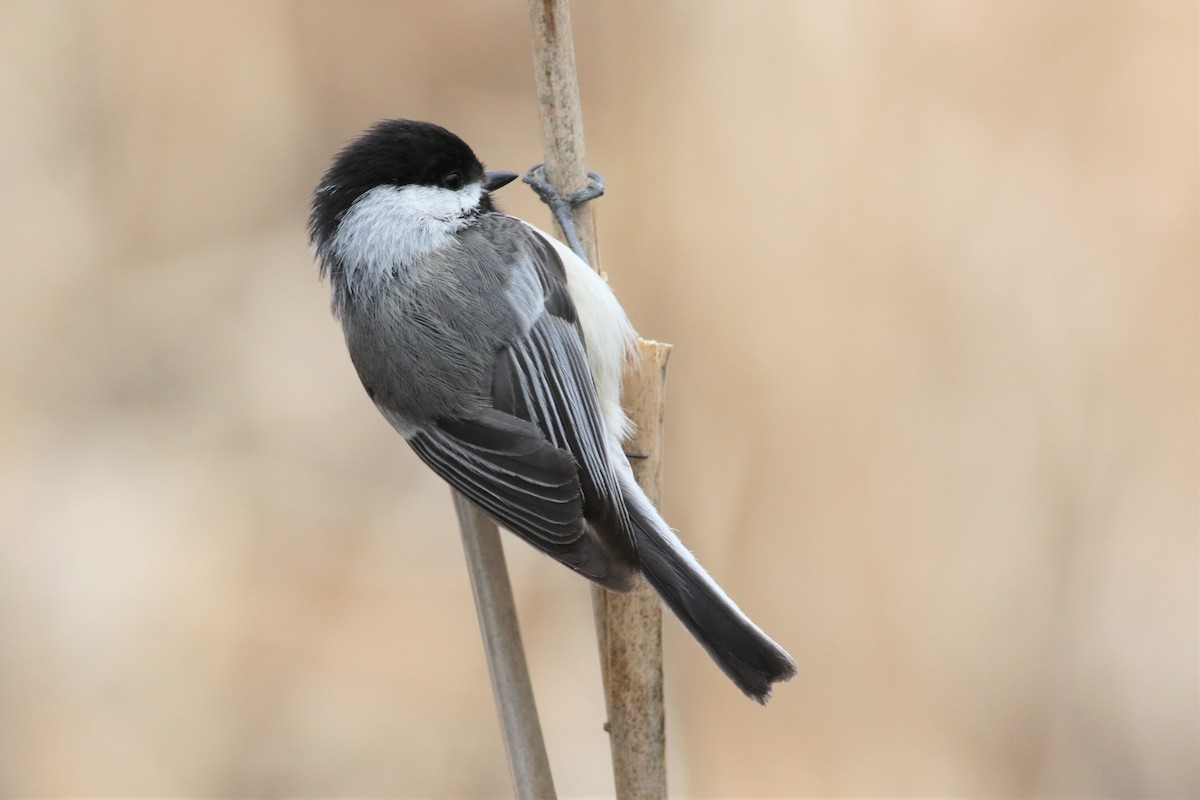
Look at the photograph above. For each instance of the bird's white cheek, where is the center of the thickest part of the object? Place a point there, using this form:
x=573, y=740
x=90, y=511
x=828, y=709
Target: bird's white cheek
x=391, y=227
x=442, y=205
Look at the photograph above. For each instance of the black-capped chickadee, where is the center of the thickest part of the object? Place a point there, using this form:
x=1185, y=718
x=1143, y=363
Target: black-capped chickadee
x=497, y=354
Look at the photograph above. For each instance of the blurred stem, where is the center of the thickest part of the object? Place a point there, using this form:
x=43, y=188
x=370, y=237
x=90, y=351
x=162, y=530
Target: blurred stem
x=513, y=692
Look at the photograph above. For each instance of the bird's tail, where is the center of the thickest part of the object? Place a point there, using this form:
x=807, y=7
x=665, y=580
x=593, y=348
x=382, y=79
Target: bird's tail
x=745, y=653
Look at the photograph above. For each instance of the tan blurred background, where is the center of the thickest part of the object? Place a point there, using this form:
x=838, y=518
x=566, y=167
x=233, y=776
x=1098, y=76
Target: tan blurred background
x=931, y=272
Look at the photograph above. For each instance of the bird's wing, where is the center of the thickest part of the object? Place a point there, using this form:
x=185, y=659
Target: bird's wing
x=507, y=467
x=538, y=461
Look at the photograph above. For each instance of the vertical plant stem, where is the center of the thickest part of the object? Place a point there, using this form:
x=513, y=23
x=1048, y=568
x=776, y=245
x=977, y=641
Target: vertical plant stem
x=560, y=113
x=527, y=761
x=633, y=622
x=628, y=626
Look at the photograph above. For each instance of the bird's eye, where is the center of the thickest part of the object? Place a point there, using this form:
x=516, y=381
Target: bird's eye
x=453, y=181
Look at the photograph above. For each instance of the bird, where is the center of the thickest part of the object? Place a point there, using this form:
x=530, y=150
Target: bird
x=497, y=353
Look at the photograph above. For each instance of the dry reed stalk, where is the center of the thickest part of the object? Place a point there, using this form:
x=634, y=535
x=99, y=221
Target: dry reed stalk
x=629, y=626
x=632, y=623
x=528, y=764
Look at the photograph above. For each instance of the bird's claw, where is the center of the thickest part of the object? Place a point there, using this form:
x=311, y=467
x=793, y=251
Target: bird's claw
x=561, y=206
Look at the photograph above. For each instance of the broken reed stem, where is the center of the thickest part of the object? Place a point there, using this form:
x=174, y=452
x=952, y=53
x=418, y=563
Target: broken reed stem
x=632, y=623
x=628, y=627
x=528, y=765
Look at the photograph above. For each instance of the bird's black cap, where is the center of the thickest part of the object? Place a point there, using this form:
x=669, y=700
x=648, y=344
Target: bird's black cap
x=400, y=152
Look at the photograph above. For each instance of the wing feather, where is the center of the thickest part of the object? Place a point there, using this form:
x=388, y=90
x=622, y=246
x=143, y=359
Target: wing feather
x=508, y=468
x=537, y=460
x=544, y=378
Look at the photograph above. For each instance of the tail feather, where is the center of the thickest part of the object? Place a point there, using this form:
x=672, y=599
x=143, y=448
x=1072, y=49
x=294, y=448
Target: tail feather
x=740, y=648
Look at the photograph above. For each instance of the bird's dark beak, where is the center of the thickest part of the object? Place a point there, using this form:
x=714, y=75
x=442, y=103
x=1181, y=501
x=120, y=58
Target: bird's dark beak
x=494, y=179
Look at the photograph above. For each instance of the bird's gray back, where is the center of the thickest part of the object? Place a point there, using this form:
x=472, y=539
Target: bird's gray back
x=424, y=345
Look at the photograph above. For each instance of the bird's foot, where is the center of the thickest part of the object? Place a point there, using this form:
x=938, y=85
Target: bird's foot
x=560, y=206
